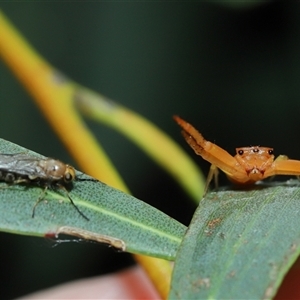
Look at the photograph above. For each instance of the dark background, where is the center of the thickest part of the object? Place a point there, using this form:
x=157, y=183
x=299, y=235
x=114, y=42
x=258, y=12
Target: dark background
x=229, y=69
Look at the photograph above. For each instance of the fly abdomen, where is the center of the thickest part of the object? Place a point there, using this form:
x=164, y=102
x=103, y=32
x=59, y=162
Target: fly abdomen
x=12, y=178
x=9, y=177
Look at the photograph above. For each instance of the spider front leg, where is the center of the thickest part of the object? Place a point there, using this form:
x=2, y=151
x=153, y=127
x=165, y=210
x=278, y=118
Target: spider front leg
x=218, y=157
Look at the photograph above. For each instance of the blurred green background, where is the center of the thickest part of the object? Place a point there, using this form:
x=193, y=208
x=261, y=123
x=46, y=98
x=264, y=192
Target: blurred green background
x=228, y=68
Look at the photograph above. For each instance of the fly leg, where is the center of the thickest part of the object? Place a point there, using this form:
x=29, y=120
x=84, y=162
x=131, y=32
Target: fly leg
x=72, y=202
x=11, y=179
x=40, y=198
x=86, y=179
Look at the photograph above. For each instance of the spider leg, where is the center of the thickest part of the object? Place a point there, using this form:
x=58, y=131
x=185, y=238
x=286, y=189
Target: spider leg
x=212, y=174
x=282, y=165
x=212, y=153
x=277, y=159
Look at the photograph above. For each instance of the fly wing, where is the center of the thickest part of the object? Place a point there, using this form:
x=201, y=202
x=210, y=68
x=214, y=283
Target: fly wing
x=21, y=164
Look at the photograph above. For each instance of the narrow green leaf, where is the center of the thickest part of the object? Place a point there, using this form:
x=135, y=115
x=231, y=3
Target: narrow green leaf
x=239, y=245
x=138, y=227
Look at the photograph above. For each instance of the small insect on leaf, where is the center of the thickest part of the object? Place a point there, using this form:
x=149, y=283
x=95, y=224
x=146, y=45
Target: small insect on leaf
x=47, y=173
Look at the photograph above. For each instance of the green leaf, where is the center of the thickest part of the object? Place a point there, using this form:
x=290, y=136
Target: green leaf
x=114, y=217
x=240, y=244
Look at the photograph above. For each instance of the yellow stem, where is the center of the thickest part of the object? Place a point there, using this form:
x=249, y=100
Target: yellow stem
x=159, y=146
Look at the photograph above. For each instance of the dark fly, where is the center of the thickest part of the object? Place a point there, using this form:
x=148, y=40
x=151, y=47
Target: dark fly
x=48, y=173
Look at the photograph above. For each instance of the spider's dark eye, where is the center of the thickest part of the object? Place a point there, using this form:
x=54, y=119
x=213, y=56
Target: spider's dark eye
x=241, y=152
x=271, y=152
x=255, y=150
